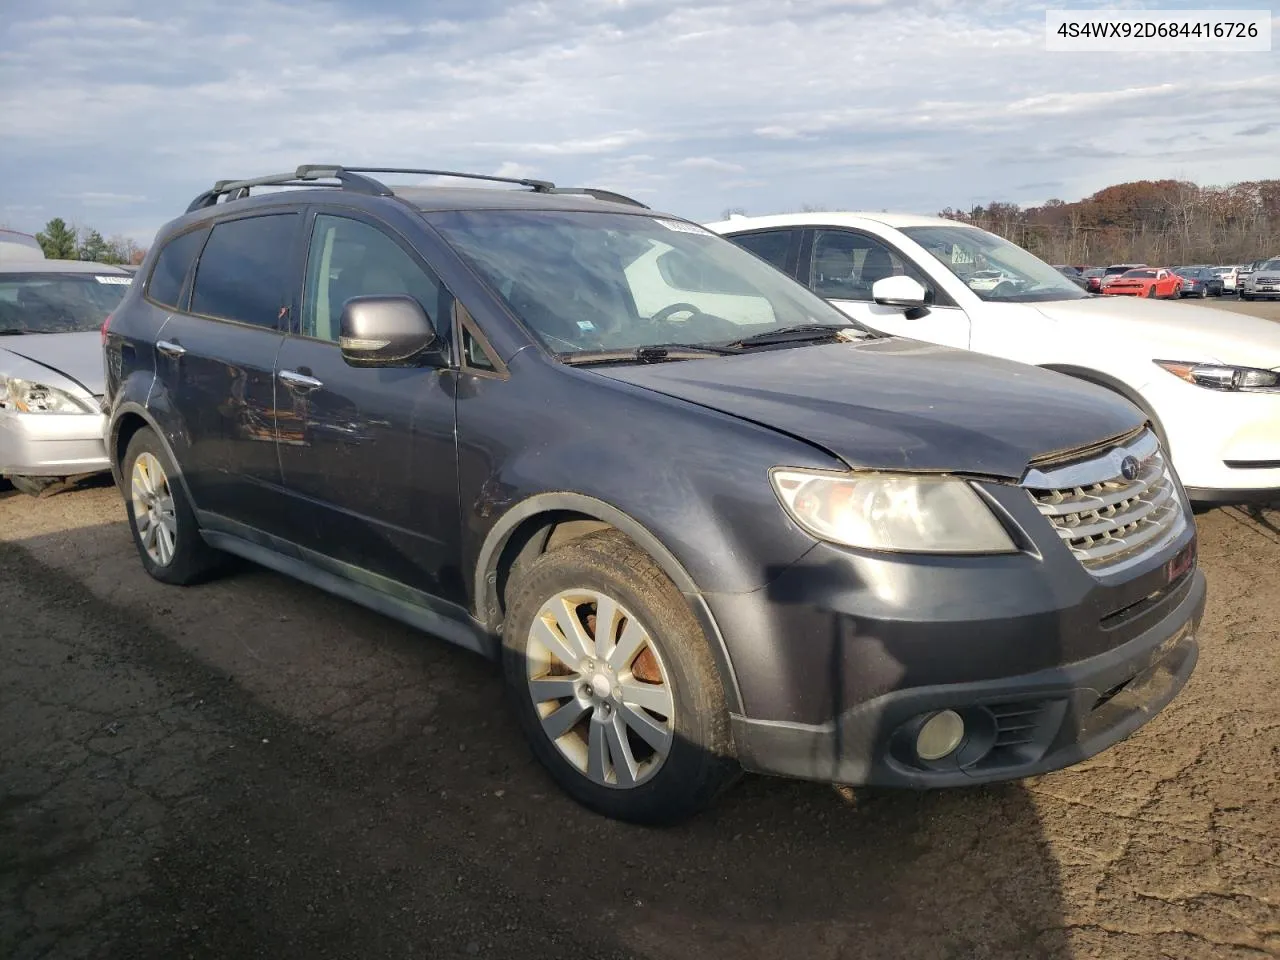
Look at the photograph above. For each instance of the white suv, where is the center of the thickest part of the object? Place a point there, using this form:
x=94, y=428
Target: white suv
x=1209, y=379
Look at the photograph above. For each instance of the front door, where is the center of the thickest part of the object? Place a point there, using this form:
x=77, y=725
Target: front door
x=844, y=265
x=216, y=364
x=368, y=456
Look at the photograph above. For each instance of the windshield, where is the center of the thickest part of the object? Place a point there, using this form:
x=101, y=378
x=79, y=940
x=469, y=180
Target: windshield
x=589, y=282
x=1271, y=265
x=58, y=302
x=1139, y=275
x=976, y=257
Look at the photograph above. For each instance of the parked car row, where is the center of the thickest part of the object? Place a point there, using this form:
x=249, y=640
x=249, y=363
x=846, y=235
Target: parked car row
x=860, y=498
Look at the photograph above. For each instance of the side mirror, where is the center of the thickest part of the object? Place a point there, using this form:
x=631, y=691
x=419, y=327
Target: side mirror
x=384, y=332
x=902, y=292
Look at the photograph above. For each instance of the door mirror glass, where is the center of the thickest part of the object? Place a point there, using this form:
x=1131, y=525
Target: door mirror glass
x=903, y=292
x=384, y=332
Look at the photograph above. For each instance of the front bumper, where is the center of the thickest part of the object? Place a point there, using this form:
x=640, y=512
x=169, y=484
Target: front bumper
x=1225, y=445
x=1015, y=727
x=52, y=444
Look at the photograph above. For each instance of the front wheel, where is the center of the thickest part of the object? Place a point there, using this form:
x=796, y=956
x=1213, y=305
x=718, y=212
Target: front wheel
x=1204, y=292
x=1151, y=292
x=160, y=516
x=614, y=685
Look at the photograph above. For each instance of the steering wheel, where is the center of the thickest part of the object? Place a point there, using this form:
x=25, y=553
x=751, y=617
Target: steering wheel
x=1004, y=289
x=666, y=313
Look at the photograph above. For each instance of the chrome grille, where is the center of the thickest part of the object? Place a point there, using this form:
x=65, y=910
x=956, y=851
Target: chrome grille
x=1106, y=520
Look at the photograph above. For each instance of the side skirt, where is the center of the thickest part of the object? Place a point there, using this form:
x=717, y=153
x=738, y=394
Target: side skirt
x=385, y=596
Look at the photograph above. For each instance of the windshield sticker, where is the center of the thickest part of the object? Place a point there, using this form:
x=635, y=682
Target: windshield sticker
x=679, y=226
x=586, y=326
x=117, y=280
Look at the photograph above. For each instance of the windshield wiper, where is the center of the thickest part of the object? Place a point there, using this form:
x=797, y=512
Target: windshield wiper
x=14, y=332
x=801, y=333
x=649, y=353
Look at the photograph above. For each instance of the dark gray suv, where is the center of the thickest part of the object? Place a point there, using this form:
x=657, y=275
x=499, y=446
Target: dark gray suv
x=704, y=521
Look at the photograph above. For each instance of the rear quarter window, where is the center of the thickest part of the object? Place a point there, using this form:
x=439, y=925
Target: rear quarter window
x=169, y=275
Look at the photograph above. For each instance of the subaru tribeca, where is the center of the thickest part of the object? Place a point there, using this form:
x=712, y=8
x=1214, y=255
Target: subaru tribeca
x=706, y=522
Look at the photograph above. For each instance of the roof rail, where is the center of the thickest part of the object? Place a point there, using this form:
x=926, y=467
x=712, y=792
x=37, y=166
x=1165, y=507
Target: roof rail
x=305, y=176
x=599, y=194
x=355, y=179
x=538, y=186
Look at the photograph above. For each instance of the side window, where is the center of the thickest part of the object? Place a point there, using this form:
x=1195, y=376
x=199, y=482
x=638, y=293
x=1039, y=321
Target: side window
x=846, y=264
x=244, y=273
x=349, y=258
x=169, y=274
x=770, y=245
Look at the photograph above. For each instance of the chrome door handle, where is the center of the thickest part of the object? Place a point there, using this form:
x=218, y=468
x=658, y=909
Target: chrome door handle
x=299, y=382
x=170, y=349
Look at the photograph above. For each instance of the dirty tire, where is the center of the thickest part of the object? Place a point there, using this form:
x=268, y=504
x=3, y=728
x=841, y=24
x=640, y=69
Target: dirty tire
x=193, y=560
x=33, y=486
x=700, y=764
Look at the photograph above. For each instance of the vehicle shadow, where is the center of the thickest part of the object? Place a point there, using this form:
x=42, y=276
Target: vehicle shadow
x=380, y=801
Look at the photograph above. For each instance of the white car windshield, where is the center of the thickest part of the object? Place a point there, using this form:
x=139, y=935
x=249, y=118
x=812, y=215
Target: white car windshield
x=58, y=302
x=591, y=282
x=976, y=256
x=1271, y=265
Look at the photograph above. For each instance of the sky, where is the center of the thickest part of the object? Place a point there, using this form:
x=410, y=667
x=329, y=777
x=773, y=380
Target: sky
x=115, y=113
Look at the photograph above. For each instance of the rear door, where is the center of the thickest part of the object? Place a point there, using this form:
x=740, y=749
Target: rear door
x=368, y=456
x=215, y=366
x=843, y=265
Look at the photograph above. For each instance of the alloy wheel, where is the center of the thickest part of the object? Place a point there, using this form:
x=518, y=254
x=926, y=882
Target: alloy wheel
x=600, y=688
x=153, y=510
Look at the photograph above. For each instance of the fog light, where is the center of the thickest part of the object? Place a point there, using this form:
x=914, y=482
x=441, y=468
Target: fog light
x=940, y=735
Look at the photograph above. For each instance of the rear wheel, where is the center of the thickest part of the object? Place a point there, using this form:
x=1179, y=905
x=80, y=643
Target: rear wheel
x=160, y=516
x=614, y=685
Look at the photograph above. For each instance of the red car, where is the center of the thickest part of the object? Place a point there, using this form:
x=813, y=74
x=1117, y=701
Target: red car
x=1145, y=282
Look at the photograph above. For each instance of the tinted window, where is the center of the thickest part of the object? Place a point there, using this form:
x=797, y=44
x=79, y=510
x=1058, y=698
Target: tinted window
x=348, y=258
x=770, y=245
x=172, y=267
x=244, y=273
x=58, y=302
x=845, y=265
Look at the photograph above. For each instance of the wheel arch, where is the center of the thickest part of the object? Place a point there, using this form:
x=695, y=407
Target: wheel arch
x=128, y=419
x=547, y=520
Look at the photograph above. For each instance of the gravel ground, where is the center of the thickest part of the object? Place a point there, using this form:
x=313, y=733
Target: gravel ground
x=254, y=769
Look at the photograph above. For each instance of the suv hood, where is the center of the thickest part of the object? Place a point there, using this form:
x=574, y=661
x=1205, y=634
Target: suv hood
x=76, y=356
x=1172, y=331
x=896, y=404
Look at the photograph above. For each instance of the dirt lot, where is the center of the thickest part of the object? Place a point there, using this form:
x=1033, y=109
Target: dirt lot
x=253, y=769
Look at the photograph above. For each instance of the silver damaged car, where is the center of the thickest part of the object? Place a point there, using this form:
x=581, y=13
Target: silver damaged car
x=51, y=374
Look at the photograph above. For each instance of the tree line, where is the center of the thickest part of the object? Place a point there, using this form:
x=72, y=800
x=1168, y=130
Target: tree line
x=63, y=241
x=1166, y=222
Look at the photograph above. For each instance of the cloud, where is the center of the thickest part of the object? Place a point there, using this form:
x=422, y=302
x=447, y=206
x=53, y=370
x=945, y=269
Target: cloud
x=709, y=163
x=117, y=115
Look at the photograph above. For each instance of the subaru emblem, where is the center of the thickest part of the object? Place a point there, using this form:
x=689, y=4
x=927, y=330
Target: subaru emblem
x=1130, y=468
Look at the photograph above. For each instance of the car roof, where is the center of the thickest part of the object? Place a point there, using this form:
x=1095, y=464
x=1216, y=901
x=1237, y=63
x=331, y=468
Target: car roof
x=835, y=218
x=422, y=199
x=59, y=266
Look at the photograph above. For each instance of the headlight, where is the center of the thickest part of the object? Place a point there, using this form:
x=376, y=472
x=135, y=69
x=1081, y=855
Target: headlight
x=27, y=396
x=897, y=512
x=1220, y=377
